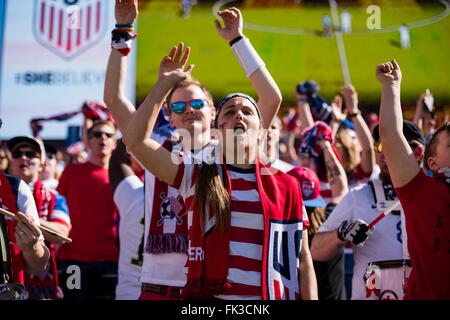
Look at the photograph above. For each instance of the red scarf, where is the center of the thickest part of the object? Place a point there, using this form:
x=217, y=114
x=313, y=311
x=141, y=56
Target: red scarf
x=8, y=200
x=168, y=209
x=208, y=253
x=45, y=202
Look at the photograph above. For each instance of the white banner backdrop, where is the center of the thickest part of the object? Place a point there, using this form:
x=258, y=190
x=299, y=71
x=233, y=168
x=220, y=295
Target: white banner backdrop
x=54, y=57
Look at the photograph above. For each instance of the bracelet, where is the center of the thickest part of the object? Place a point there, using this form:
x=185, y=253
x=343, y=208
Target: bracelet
x=352, y=115
x=247, y=56
x=124, y=25
x=121, y=41
x=235, y=40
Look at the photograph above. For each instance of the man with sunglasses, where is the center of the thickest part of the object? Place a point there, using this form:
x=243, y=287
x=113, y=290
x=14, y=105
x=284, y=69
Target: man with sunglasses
x=94, y=249
x=349, y=221
x=21, y=243
x=28, y=160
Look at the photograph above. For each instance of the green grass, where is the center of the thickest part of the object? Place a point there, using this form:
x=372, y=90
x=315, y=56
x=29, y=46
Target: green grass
x=295, y=58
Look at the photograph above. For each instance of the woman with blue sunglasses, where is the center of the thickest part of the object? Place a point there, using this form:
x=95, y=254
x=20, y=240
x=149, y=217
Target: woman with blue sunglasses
x=242, y=214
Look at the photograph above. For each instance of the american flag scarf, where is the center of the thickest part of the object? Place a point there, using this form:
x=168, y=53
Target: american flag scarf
x=168, y=225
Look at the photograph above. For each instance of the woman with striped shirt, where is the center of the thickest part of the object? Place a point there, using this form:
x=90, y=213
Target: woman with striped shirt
x=245, y=219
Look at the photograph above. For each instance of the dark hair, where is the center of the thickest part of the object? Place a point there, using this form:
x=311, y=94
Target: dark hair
x=186, y=83
x=430, y=149
x=210, y=192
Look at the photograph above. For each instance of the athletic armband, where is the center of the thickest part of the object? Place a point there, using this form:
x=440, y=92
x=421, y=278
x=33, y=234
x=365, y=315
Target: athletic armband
x=121, y=41
x=247, y=56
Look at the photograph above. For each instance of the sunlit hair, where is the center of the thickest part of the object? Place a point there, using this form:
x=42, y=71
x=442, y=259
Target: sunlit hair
x=186, y=83
x=98, y=123
x=349, y=156
x=430, y=149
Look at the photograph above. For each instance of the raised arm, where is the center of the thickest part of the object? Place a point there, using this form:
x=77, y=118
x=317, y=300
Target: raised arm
x=269, y=95
x=119, y=166
x=335, y=172
x=403, y=167
x=337, y=116
x=150, y=153
x=304, y=112
x=362, y=130
x=121, y=108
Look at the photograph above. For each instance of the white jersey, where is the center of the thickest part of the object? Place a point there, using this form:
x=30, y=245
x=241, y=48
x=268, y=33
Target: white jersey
x=129, y=199
x=385, y=243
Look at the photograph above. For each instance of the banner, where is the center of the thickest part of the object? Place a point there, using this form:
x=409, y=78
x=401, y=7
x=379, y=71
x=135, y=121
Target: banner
x=53, y=58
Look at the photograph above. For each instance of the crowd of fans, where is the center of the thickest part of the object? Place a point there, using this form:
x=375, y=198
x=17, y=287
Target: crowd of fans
x=374, y=185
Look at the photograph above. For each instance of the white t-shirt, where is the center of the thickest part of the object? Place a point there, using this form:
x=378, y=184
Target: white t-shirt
x=383, y=244
x=129, y=199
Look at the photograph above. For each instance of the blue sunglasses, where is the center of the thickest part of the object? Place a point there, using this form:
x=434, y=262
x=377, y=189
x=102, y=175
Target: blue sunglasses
x=180, y=106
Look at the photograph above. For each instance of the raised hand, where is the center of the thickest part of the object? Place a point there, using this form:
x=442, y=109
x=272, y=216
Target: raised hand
x=233, y=22
x=126, y=11
x=389, y=73
x=336, y=111
x=172, y=67
x=351, y=98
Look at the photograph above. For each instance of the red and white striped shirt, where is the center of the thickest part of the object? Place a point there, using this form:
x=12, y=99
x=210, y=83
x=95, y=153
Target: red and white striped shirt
x=246, y=236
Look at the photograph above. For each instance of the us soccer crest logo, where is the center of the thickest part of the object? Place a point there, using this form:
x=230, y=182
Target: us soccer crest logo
x=69, y=27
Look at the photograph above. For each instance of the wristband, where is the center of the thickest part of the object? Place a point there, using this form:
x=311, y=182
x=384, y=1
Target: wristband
x=121, y=41
x=235, y=40
x=247, y=56
x=352, y=115
x=124, y=25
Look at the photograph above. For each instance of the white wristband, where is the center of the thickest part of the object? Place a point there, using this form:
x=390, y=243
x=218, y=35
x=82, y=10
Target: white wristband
x=247, y=56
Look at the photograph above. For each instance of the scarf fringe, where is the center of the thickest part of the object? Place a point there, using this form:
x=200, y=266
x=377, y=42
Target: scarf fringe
x=197, y=289
x=167, y=243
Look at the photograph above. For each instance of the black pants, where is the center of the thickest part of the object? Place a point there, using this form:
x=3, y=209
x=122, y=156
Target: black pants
x=88, y=280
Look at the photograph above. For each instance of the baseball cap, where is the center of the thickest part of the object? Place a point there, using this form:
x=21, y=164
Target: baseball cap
x=29, y=142
x=310, y=186
x=308, y=87
x=411, y=132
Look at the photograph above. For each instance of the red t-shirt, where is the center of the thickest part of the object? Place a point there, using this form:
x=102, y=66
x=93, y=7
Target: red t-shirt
x=92, y=213
x=425, y=202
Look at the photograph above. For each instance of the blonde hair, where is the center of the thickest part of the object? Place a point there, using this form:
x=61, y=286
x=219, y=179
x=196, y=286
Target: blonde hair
x=350, y=156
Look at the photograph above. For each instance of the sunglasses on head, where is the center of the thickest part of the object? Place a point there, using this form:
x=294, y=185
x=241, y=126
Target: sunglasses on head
x=99, y=134
x=28, y=154
x=180, y=106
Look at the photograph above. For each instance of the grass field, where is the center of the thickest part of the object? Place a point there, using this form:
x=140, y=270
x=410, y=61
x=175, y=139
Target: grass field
x=295, y=58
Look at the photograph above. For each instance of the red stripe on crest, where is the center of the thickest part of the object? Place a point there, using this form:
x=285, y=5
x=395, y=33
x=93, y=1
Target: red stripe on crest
x=42, y=16
x=97, y=25
x=60, y=28
x=52, y=18
x=88, y=23
x=69, y=40
x=79, y=30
